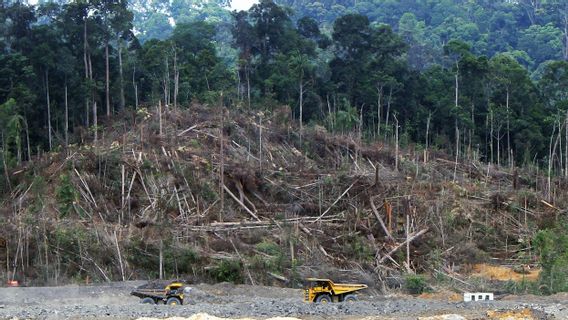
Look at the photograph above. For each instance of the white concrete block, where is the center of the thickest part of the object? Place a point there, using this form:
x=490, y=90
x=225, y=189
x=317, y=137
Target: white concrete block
x=478, y=296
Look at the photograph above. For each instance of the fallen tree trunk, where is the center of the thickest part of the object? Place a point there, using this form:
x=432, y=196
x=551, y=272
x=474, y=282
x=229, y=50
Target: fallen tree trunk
x=408, y=240
x=381, y=222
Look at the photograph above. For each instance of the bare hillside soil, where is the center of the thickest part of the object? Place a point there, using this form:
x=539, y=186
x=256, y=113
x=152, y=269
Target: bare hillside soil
x=112, y=301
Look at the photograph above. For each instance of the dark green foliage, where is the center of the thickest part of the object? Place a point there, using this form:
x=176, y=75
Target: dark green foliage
x=415, y=283
x=272, y=259
x=66, y=195
x=523, y=287
x=270, y=248
x=357, y=247
x=347, y=65
x=552, y=249
x=227, y=271
x=65, y=240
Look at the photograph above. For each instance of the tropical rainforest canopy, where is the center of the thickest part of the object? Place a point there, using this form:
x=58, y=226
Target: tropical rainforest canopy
x=486, y=80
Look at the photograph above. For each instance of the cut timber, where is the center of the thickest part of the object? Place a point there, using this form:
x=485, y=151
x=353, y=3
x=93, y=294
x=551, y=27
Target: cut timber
x=243, y=225
x=549, y=205
x=409, y=239
x=336, y=201
x=277, y=276
x=454, y=278
x=378, y=216
x=186, y=130
x=239, y=202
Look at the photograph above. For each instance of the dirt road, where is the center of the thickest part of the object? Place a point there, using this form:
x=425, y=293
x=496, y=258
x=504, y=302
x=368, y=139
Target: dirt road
x=112, y=301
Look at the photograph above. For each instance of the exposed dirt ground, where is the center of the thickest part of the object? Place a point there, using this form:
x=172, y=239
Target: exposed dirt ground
x=113, y=301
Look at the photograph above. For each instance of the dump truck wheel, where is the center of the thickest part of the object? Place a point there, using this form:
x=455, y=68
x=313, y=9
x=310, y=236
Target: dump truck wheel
x=324, y=298
x=350, y=298
x=147, y=300
x=173, y=301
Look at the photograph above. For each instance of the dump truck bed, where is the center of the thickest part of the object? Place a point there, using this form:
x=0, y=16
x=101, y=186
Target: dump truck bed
x=149, y=293
x=340, y=288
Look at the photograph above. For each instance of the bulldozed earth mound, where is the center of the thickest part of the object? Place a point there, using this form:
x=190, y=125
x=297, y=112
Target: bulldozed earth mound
x=243, y=196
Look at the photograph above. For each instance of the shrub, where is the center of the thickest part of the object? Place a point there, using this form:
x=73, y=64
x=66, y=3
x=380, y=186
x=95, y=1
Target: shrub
x=269, y=247
x=357, y=248
x=522, y=287
x=415, y=283
x=66, y=195
x=276, y=260
x=228, y=271
x=552, y=249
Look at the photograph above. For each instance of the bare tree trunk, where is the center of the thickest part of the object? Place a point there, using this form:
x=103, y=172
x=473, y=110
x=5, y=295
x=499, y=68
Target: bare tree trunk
x=509, y=159
x=407, y=231
x=471, y=132
x=167, y=83
x=121, y=76
x=48, y=108
x=457, y=86
x=379, y=108
x=107, y=80
x=85, y=49
x=566, y=145
x=5, y=165
x=389, y=99
x=248, y=84
x=160, y=117
x=95, y=122
x=566, y=32
x=427, y=136
x=457, y=150
x=396, y=143
x=498, y=145
x=93, y=102
x=329, y=112
x=301, y=110
x=456, y=105
x=66, y=117
x=550, y=160
x=135, y=85
x=239, y=93
x=176, y=79
x=161, y=258
x=491, y=135
x=28, y=139
x=260, y=143
x=222, y=160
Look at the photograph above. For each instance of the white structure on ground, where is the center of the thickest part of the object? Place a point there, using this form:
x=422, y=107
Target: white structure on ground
x=477, y=296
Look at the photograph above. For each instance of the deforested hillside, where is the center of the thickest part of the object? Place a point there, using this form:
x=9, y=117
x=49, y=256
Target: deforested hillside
x=237, y=194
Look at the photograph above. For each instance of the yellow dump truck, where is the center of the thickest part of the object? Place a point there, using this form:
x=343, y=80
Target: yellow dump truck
x=326, y=291
x=173, y=294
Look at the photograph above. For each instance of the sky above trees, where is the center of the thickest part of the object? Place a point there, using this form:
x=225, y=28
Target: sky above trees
x=242, y=4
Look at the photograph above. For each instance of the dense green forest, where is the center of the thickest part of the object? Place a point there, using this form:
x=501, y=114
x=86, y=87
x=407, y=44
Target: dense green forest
x=482, y=80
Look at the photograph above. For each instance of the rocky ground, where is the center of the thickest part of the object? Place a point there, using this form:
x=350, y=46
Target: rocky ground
x=112, y=301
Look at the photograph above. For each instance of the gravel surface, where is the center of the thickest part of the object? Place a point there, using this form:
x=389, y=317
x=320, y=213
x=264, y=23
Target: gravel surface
x=113, y=301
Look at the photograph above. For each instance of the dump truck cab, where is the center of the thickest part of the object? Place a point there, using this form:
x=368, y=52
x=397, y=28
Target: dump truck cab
x=326, y=291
